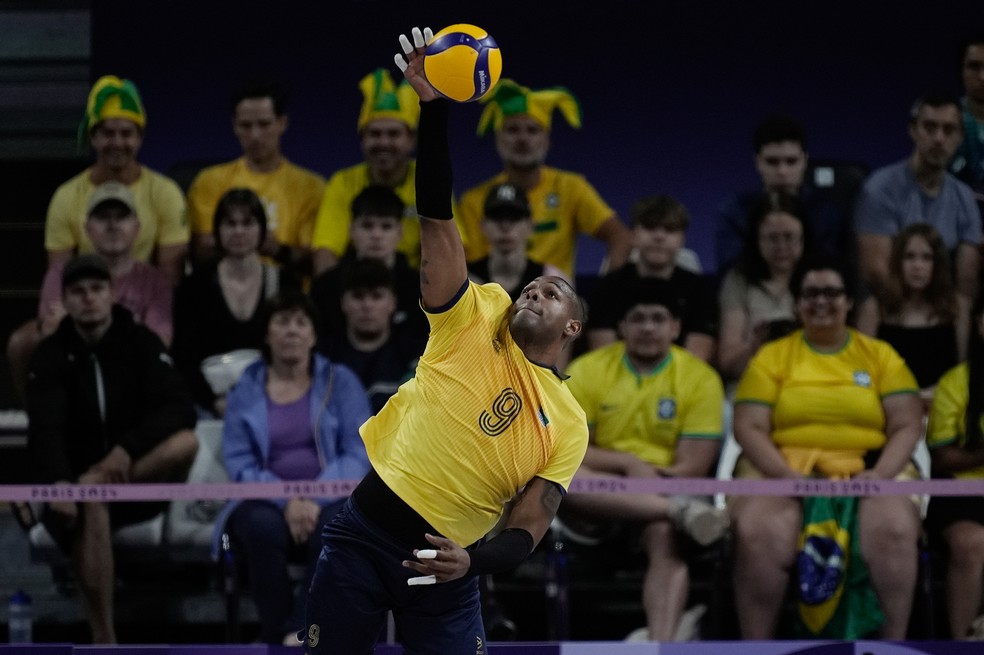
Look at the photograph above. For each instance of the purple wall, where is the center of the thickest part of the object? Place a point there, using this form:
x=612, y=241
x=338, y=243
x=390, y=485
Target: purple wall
x=670, y=91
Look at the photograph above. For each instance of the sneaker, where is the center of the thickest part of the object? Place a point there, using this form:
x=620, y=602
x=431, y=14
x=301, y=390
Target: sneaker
x=581, y=531
x=638, y=635
x=700, y=520
x=688, y=629
x=976, y=630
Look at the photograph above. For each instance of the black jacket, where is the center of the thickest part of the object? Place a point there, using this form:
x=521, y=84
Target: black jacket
x=144, y=398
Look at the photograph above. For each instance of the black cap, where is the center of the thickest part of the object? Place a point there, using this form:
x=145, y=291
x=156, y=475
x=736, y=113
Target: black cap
x=507, y=201
x=84, y=267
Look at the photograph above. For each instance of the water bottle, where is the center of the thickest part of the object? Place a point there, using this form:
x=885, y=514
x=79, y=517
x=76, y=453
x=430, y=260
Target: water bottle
x=20, y=621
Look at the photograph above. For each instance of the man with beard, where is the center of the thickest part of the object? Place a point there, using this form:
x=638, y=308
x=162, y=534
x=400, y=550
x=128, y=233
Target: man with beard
x=291, y=195
x=920, y=190
x=487, y=418
x=564, y=204
x=387, y=130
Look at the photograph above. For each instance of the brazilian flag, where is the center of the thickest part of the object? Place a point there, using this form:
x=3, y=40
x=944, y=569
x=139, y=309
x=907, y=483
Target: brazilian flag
x=836, y=600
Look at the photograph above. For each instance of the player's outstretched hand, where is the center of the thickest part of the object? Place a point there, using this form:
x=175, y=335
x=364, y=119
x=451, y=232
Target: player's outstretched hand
x=446, y=561
x=411, y=62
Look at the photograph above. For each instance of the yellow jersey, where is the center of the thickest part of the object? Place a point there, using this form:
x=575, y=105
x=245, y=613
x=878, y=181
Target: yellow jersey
x=948, y=415
x=563, y=204
x=476, y=423
x=331, y=228
x=826, y=400
x=160, y=209
x=646, y=415
x=290, y=195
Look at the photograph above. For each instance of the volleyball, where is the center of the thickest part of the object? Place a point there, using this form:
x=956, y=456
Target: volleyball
x=462, y=62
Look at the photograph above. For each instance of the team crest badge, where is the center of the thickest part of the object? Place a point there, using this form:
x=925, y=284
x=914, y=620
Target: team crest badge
x=862, y=379
x=666, y=408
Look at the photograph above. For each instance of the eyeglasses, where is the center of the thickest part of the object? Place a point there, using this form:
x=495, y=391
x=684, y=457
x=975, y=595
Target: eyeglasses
x=830, y=293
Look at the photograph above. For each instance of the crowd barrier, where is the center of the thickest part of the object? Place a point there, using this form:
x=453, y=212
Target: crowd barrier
x=338, y=488
x=579, y=648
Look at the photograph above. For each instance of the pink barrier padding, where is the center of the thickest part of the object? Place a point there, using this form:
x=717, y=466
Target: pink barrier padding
x=333, y=489
x=566, y=648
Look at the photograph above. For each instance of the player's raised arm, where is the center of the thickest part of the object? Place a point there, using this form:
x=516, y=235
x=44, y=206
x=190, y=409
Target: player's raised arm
x=442, y=256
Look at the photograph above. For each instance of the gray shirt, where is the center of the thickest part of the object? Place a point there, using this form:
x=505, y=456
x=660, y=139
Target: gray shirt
x=891, y=199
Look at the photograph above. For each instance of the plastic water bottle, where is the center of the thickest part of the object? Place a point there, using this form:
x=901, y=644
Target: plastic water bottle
x=20, y=620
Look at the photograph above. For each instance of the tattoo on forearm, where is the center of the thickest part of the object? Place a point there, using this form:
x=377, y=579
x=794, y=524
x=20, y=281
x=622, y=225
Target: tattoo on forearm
x=423, y=272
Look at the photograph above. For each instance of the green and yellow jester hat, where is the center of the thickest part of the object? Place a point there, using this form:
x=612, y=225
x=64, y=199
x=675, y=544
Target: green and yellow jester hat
x=509, y=98
x=384, y=99
x=112, y=97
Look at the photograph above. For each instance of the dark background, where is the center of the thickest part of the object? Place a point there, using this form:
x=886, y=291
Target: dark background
x=671, y=91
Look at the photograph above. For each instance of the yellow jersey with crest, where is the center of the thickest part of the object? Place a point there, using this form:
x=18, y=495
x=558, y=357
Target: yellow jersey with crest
x=476, y=423
x=826, y=399
x=647, y=414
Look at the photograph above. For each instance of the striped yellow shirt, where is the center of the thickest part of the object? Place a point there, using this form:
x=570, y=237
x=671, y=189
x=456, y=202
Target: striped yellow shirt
x=477, y=422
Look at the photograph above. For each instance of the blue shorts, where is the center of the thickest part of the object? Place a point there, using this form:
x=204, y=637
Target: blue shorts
x=360, y=576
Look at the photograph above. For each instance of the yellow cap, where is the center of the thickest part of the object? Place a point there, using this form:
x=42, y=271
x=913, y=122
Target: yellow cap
x=509, y=98
x=384, y=99
x=112, y=97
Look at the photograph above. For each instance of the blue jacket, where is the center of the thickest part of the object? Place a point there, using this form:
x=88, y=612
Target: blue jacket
x=339, y=407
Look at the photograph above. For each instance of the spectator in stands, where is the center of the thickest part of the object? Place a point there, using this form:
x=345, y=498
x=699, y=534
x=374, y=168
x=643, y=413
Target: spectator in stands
x=781, y=160
x=564, y=204
x=294, y=415
x=955, y=446
x=654, y=410
x=382, y=354
x=112, y=226
x=921, y=315
x=104, y=406
x=219, y=307
x=291, y=195
x=920, y=190
x=375, y=233
x=825, y=401
x=114, y=124
x=507, y=225
x=756, y=301
x=659, y=224
x=387, y=130
x=968, y=163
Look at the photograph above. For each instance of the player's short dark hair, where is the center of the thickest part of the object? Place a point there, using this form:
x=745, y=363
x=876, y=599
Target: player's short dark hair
x=580, y=313
x=377, y=200
x=660, y=210
x=238, y=197
x=776, y=129
x=367, y=274
x=261, y=86
x=934, y=98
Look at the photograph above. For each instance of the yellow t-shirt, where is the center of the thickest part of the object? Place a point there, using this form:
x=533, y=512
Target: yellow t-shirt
x=160, y=208
x=564, y=204
x=826, y=400
x=646, y=415
x=290, y=194
x=331, y=229
x=948, y=415
x=477, y=422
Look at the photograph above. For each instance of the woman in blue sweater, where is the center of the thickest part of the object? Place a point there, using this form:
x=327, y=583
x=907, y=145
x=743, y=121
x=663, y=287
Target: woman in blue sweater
x=292, y=416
